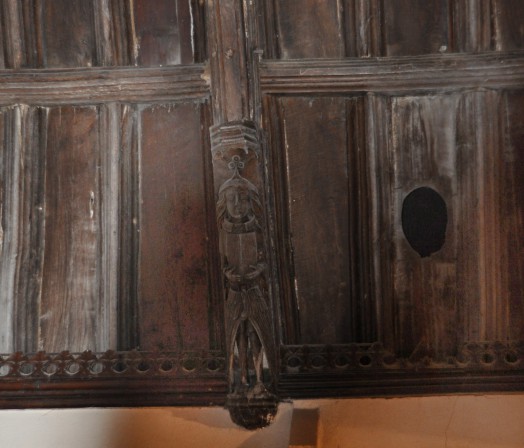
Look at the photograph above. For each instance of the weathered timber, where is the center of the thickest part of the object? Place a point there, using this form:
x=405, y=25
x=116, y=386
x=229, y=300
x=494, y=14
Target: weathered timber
x=424, y=74
x=76, y=86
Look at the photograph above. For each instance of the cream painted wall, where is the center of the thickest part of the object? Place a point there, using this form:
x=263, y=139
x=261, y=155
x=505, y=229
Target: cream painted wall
x=468, y=421
x=465, y=421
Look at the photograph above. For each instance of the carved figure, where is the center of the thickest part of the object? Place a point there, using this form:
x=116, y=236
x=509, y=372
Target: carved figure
x=247, y=315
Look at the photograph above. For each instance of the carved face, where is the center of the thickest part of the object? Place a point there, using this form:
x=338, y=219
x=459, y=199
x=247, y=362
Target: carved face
x=238, y=203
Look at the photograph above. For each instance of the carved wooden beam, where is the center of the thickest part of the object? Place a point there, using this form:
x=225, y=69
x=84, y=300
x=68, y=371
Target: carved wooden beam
x=96, y=85
x=395, y=74
x=239, y=191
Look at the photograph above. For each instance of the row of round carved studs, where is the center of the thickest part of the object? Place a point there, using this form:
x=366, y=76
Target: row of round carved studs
x=298, y=361
x=110, y=367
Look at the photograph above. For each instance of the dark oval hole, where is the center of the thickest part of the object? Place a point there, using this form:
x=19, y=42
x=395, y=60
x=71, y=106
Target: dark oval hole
x=424, y=220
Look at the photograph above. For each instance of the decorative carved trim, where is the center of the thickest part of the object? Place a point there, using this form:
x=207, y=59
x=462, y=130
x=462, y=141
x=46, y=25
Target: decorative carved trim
x=358, y=358
x=234, y=136
x=88, y=86
x=394, y=75
x=370, y=370
x=110, y=364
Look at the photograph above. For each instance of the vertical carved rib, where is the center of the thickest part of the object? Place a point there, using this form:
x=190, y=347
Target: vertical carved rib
x=472, y=28
x=241, y=215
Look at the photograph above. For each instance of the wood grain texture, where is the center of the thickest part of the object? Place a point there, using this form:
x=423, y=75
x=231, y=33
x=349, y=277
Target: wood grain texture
x=129, y=227
x=228, y=67
x=163, y=32
x=77, y=86
x=174, y=264
x=70, y=307
x=31, y=234
x=3, y=36
x=364, y=33
x=10, y=121
x=472, y=26
x=512, y=210
x=394, y=75
x=423, y=154
x=68, y=33
x=76, y=33
x=323, y=214
x=406, y=21
x=310, y=29
x=508, y=17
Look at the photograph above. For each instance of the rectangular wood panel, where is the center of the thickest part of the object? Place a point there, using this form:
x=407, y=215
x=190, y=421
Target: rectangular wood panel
x=81, y=33
x=460, y=292
x=324, y=217
x=174, y=262
x=512, y=210
x=423, y=155
x=68, y=33
x=310, y=29
x=412, y=27
x=508, y=19
x=70, y=302
x=163, y=32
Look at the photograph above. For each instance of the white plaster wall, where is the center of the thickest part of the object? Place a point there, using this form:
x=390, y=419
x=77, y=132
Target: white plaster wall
x=467, y=421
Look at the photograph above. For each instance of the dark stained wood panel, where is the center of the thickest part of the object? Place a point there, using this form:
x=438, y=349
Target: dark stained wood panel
x=509, y=30
x=482, y=255
x=323, y=213
x=70, y=307
x=2, y=43
x=163, y=32
x=512, y=210
x=174, y=263
x=472, y=25
x=413, y=27
x=310, y=29
x=31, y=226
x=423, y=155
x=81, y=33
x=68, y=33
x=461, y=292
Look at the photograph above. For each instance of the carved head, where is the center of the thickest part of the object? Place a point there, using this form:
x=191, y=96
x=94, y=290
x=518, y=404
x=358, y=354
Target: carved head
x=237, y=200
